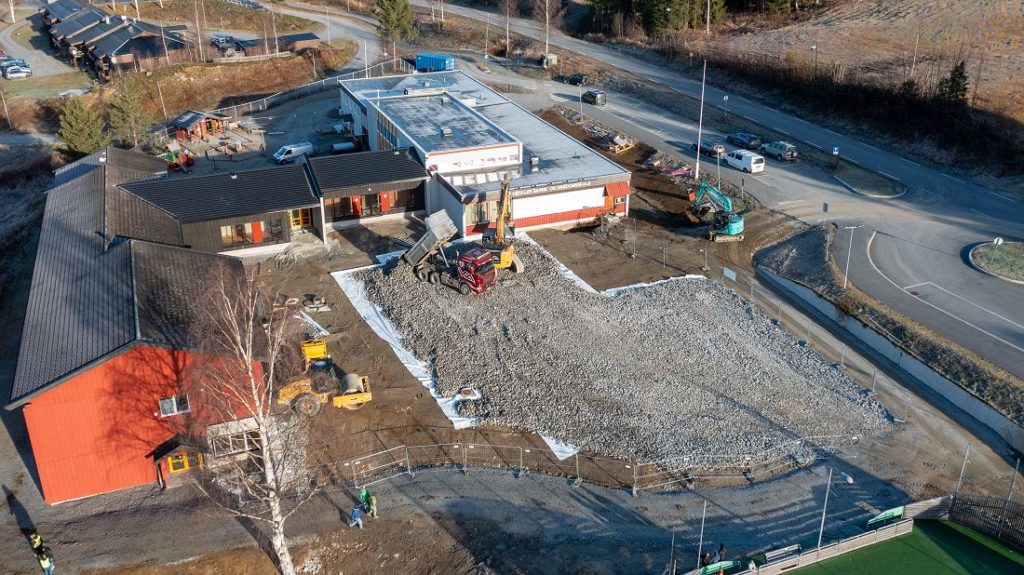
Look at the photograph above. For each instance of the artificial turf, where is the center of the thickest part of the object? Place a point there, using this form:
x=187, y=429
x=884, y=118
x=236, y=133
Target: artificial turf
x=933, y=548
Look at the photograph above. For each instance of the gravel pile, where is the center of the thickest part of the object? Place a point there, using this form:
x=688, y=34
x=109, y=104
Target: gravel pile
x=683, y=367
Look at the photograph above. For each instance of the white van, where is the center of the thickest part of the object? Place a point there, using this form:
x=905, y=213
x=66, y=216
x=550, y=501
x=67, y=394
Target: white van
x=291, y=152
x=745, y=161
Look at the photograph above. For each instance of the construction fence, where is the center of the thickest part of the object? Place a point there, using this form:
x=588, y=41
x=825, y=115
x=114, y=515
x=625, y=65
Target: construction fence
x=669, y=474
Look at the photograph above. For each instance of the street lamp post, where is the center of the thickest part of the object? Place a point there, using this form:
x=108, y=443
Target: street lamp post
x=700, y=122
x=846, y=272
x=706, y=266
x=580, y=86
x=824, y=509
x=814, y=48
x=725, y=104
x=718, y=168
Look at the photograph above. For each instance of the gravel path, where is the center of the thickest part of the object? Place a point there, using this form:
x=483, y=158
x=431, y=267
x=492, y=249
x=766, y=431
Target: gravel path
x=682, y=367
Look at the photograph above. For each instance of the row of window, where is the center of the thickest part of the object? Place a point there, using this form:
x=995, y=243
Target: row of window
x=387, y=131
x=372, y=204
x=481, y=213
x=251, y=233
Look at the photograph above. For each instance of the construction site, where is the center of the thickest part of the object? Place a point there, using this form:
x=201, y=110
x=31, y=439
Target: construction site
x=552, y=304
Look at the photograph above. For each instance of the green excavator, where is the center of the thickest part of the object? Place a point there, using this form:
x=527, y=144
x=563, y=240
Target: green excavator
x=715, y=208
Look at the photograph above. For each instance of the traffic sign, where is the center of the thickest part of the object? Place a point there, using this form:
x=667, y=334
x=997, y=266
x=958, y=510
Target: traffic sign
x=997, y=242
x=835, y=150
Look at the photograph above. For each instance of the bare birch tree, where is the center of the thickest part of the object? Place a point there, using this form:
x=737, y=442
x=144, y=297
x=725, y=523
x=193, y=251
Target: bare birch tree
x=255, y=466
x=509, y=8
x=546, y=11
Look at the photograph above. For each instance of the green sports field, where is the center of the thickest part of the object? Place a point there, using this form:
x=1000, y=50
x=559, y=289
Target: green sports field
x=934, y=548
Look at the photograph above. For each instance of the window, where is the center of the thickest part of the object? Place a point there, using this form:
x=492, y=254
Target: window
x=251, y=233
x=619, y=201
x=236, y=443
x=481, y=213
x=183, y=462
x=174, y=405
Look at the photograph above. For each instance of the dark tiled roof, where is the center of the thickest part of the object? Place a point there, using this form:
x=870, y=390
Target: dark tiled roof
x=98, y=31
x=81, y=21
x=171, y=289
x=290, y=38
x=79, y=307
x=62, y=9
x=129, y=216
x=91, y=299
x=203, y=198
x=108, y=45
x=366, y=168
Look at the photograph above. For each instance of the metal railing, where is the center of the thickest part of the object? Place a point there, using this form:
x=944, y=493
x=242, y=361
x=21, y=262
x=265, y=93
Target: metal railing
x=667, y=474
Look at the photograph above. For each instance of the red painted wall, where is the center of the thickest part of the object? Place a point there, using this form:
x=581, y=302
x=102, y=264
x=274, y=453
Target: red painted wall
x=95, y=433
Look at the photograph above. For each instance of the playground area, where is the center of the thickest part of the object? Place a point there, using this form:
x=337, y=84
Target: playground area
x=932, y=548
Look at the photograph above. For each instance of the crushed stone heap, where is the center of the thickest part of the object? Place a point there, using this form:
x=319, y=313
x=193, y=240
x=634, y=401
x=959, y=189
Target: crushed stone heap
x=681, y=367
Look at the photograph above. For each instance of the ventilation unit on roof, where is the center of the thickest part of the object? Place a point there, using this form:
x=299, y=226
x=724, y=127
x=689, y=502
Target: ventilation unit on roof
x=234, y=176
x=106, y=20
x=446, y=132
x=534, y=163
x=445, y=100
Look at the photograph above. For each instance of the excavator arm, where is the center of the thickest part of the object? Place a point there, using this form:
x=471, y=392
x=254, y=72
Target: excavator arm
x=498, y=240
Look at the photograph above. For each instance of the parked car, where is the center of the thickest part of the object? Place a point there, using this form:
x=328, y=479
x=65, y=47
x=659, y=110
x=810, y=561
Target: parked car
x=222, y=40
x=576, y=80
x=780, y=151
x=745, y=140
x=17, y=73
x=595, y=97
x=709, y=148
x=13, y=62
x=291, y=152
x=745, y=161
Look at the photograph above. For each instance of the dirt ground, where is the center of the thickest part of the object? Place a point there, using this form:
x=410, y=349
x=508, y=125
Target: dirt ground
x=887, y=39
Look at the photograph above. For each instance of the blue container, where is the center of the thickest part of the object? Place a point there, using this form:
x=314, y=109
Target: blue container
x=434, y=63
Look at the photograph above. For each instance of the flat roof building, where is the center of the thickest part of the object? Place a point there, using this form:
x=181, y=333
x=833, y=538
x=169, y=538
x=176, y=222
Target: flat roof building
x=470, y=138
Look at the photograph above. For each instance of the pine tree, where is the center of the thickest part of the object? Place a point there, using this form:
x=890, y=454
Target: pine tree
x=395, y=21
x=81, y=129
x=952, y=90
x=128, y=119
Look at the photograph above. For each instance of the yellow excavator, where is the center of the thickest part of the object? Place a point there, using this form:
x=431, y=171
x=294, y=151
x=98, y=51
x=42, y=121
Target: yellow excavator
x=499, y=240
x=320, y=383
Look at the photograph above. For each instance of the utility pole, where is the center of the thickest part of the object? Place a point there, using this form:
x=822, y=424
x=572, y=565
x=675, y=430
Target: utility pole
x=962, y=469
x=13, y=20
x=508, y=45
x=849, y=252
x=824, y=509
x=161, y=94
x=1013, y=481
x=707, y=20
x=199, y=34
x=700, y=123
x=700, y=546
x=273, y=26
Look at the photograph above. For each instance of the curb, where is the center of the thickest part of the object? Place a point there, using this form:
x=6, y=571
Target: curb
x=867, y=195
x=975, y=265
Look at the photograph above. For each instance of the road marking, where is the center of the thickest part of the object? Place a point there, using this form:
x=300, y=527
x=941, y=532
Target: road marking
x=1007, y=198
x=789, y=202
x=914, y=286
x=879, y=272
x=749, y=119
x=954, y=178
x=812, y=144
x=832, y=132
x=852, y=161
x=980, y=213
x=803, y=120
x=783, y=132
x=911, y=162
x=890, y=176
x=986, y=310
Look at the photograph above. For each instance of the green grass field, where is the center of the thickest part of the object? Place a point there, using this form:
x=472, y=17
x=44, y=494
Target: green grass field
x=934, y=548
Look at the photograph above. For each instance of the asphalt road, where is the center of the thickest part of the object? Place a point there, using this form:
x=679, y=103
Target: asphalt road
x=917, y=262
